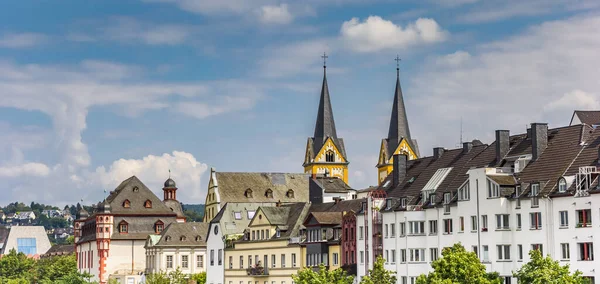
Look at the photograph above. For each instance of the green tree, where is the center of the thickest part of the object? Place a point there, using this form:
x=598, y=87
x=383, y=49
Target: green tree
x=379, y=274
x=70, y=240
x=60, y=269
x=458, y=265
x=547, y=271
x=323, y=276
x=157, y=278
x=15, y=266
x=200, y=278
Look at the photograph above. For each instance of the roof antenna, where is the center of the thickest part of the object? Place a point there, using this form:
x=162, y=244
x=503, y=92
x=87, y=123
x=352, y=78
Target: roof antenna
x=461, y=131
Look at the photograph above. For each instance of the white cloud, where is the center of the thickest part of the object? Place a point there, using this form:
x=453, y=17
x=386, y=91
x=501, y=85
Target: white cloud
x=533, y=76
x=295, y=58
x=23, y=170
x=21, y=40
x=215, y=7
x=276, y=14
x=490, y=11
x=574, y=100
x=376, y=34
x=153, y=170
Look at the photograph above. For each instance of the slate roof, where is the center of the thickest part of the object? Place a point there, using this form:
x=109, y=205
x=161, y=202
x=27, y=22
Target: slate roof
x=333, y=184
x=232, y=186
x=194, y=234
x=325, y=125
x=590, y=117
x=287, y=217
x=276, y=215
x=137, y=193
x=60, y=250
x=340, y=206
x=326, y=218
x=568, y=149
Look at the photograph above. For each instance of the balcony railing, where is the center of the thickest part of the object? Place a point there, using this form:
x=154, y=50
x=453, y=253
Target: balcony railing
x=257, y=271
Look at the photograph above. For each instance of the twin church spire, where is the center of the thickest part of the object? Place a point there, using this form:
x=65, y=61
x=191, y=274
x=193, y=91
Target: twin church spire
x=325, y=151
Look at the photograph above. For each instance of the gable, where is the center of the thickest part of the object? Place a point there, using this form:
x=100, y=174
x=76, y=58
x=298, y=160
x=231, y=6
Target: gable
x=259, y=219
x=329, y=146
x=136, y=192
x=382, y=154
x=404, y=148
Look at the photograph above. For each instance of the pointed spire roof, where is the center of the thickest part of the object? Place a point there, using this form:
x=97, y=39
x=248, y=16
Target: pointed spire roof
x=398, y=121
x=325, y=125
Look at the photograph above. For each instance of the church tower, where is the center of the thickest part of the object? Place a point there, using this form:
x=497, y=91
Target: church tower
x=398, y=140
x=325, y=152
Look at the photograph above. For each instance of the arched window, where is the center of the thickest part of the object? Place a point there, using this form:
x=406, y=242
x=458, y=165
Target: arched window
x=168, y=238
x=248, y=193
x=182, y=238
x=329, y=156
x=136, y=189
x=290, y=193
x=159, y=226
x=198, y=238
x=562, y=185
x=269, y=193
x=148, y=204
x=126, y=203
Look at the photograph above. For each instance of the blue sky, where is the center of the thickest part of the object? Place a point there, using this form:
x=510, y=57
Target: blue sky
x=92, y=92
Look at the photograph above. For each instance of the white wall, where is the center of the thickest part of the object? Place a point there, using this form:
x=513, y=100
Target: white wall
x=215, y=273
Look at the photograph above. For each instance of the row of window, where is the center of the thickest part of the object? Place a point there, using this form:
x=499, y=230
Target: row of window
x=258, y=282
x=127, y=203
x=185, y=262
x=315, y=259
x=264, y=263
x=269, y=193
x=585, y=252
x=416, y=228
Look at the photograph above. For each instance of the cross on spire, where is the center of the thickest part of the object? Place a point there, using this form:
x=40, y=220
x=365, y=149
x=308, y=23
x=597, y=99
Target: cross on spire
x=324, y=56
x=397, y=59
x=169, y=173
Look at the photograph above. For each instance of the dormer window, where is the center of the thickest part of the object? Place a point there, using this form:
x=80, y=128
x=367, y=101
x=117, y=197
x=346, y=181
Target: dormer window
x=278, y=233
x=159, y=226
x=388, y=203
x=126, y=203
x=248, y=193
x=403, y=202
x=329, y=156
x=269, y=193
x=198, y=238
x=123, y=227
x=136, y=189
x=432, y=199
x=168, y=238
x=182, y=238
x=562, y=185
x=148, y=204
x=290, y=193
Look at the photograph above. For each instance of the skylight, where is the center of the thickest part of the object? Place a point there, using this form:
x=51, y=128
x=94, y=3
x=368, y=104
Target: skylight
x=437, y=179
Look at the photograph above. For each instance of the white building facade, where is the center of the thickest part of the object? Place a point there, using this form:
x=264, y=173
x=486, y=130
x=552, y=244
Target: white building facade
x=500, y=213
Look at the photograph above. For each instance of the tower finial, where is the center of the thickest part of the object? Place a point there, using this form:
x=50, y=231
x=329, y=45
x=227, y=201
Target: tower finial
x=324, y=56
x=169, y=173
x=398, y=65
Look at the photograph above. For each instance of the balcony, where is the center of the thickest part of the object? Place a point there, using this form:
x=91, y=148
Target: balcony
x=257, y=270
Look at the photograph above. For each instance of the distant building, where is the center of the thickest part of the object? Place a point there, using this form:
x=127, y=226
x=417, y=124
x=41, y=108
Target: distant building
x=110, y=241
x=3, y=235
x=179, y=245
x=59, y=250
x=25, y=216
x=30, y=240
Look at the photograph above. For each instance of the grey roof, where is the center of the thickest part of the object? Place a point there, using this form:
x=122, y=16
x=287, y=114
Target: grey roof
x=184, y=234
x=137, y=193
x=226, y=218
x=288, y=220
x=340, y=206
x=175, y=206
x=325, y=125
x=276, y=215
x=398, y=121
x=60, y=250
x=332, y=184
x=232, y=187
x=590, y=117
x=325, y=218
x=170, y=183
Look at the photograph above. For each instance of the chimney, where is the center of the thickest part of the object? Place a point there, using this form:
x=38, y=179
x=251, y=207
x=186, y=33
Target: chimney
x=438, y=152
x=539, y=139
x=502, y=144
x=399, y=169
x=278, y=204
x=467, y=146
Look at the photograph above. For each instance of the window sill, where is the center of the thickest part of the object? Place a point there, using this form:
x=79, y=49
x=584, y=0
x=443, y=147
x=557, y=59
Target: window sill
x=585, y=260
x=503, y=260
x=416, y=235
x=520, y=260
x=447, y=233
x=473, y=231
x=535, y=229
x=503, y=229
x=433, y=234
x=565, y=260
x=535, y=206
x=563, y=227
x=518, y=229
x=461, y=232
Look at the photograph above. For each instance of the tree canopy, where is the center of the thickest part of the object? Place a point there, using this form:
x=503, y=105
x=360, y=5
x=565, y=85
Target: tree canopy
x=18, y=268
x=547, y=271
x=323, y=276
x=379, y=275
x=458, y=265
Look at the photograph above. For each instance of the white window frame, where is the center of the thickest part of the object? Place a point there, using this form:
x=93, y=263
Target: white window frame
x=535, y=191
x=563, y=219
x=474, y=223
x=417, y=255
x=433, y=254
x=565, y=251
x=493, y=189
x=433, y=227
x=503, y=252
x=502, y=222
x=562, y=185
x=416, y=228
